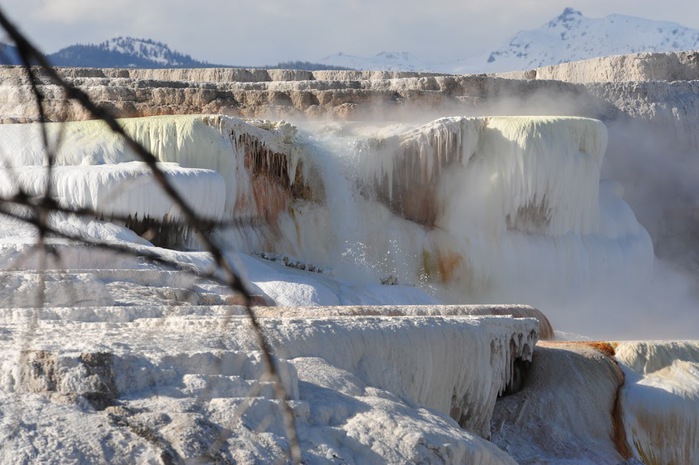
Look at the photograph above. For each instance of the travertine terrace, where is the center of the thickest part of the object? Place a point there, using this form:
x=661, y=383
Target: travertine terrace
x=109, y=358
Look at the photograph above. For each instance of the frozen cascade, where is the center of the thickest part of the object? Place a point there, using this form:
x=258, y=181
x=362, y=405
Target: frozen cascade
x=542, y=172
x=254, y=162
x=475, y=204
x=486, y=209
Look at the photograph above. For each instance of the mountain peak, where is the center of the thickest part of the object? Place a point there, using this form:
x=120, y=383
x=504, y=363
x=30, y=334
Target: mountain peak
x=570, y=12
x=567, y=19
x=147, y=49
x=571, y=37
x=124, y=52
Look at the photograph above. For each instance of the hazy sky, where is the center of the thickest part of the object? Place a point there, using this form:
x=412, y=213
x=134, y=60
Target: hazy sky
x=257, y=32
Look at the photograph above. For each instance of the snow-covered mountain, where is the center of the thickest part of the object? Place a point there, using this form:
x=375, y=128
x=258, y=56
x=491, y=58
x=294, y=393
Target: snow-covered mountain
x=124, y=52
x=569, y=37
x=572, y=37
x=129, y=52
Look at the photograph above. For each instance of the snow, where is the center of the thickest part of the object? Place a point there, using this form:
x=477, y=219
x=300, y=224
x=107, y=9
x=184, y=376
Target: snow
x=542, y=172
x=144, y=49
x=183, y=376
x=573, y=37
x=191, y=142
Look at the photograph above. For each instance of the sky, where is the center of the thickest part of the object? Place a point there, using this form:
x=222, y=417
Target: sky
x=266, y=32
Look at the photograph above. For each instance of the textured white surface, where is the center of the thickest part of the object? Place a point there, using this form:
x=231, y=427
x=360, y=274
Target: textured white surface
x=564, y=412
x=373, y=389
x=518, y=208
x=669, y=66
x=572, y=36
x=163, y=367
x=122, y=189
x=660, y=400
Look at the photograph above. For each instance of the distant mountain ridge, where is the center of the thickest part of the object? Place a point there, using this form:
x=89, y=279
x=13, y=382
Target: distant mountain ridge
x=383, y=61
x=568, y=37
x=129, y=52
x=124, y=52
x=8, y=54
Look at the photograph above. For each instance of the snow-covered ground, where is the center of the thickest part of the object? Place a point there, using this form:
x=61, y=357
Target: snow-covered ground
x=109, y=357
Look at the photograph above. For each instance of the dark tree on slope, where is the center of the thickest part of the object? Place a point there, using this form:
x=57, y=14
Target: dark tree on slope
x=308, y=66
x=8, y=54
x=99, y=56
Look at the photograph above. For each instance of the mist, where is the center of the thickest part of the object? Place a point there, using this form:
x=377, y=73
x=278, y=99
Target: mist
x=656, y=166
x=653, y=168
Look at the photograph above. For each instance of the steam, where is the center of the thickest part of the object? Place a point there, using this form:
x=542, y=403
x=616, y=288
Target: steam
x=653, y=168
x=656, y=166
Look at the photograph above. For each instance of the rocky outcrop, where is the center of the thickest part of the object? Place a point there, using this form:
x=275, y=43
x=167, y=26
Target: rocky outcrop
x=540, y=420
x=669, y=66
x=291, y=94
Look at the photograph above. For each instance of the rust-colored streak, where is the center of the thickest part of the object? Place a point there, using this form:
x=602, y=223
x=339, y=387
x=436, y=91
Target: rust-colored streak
x=417, y=169
x=607, y=348
x=271, y=186
x=270, y=198
x=619, y=437
x=448, y=264
x=260, y=160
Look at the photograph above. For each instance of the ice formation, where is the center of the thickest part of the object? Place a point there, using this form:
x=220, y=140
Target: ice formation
x=474, y=204
x=225, y=145
x=470, y=205
x=119, y=189
x=542, y=173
